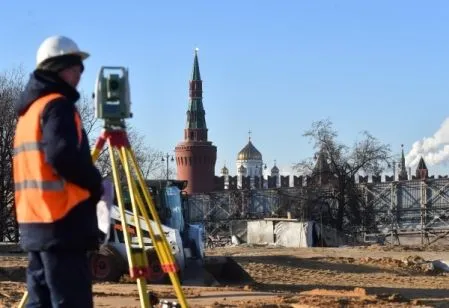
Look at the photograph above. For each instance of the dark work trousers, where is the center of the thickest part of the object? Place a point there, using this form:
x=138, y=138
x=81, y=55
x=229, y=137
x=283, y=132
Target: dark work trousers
x=59, y=280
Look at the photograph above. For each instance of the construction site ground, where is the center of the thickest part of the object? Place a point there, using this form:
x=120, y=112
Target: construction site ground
x=372, y=276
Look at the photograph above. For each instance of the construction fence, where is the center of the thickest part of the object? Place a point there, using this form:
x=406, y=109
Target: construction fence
x=393, y=211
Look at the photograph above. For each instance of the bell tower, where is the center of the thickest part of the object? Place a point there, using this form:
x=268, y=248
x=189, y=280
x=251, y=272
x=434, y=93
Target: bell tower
x=196, y=155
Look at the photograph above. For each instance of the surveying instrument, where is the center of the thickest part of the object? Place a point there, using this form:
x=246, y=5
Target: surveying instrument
x=113, y=105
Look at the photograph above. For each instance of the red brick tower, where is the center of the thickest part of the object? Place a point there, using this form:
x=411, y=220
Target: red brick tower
x=196, y=156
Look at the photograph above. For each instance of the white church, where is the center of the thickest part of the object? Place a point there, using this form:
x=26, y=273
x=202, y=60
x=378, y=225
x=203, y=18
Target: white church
x=250, y=164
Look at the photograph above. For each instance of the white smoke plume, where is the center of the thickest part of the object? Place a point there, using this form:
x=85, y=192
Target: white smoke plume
x=434, y=150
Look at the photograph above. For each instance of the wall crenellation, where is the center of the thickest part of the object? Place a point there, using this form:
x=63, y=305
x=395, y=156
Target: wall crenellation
x=287, y=181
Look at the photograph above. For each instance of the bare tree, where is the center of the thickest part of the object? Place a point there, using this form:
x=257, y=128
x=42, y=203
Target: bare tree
x=11, y=85
x=86, y=109
x=148, y=158
x=367, y=155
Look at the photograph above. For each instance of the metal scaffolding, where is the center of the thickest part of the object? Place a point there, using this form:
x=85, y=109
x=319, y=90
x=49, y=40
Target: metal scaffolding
x=391, y=211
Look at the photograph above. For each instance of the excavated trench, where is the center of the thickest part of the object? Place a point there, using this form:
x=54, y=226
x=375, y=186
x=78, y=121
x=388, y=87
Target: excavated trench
x=13, y=273
x=226, y=271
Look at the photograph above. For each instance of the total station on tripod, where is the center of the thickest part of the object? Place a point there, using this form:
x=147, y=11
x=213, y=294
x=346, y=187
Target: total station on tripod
x=112, y=96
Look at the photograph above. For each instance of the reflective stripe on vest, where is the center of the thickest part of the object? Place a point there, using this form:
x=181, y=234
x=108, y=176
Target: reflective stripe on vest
x=41, y=196
x=28, y=146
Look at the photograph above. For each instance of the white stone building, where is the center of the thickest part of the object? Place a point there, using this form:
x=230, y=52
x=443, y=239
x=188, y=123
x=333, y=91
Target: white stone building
x=250, y=163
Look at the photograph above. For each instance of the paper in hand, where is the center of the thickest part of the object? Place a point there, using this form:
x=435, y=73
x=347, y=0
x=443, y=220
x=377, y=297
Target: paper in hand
x=104, y=207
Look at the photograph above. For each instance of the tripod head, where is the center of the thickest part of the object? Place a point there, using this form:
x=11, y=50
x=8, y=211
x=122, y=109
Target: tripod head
x=112, y=96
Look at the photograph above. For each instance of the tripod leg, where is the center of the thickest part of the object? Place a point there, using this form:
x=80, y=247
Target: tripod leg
x=140, y=269
x=166, y=255
x=24, y=300
x=141, y=207
x=96, y=151
x=118, y=189
x=155, y=238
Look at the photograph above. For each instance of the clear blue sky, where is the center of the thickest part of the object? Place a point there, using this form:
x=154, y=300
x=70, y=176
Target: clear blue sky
x=270, y=66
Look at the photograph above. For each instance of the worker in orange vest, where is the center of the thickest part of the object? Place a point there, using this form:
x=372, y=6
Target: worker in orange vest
x=57, y=186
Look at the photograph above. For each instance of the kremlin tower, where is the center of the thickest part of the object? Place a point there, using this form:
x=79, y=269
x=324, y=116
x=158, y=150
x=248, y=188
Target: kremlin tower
x=196, y=156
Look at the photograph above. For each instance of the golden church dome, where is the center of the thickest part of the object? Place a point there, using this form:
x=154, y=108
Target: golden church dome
x=249, y=152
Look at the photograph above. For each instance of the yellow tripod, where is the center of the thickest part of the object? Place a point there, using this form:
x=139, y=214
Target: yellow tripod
x=137, y=261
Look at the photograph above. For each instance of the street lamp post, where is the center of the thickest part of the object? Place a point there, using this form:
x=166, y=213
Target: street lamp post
x=167, y=156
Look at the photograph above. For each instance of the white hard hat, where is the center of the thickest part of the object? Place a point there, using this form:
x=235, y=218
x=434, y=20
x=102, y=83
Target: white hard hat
x=58, y=45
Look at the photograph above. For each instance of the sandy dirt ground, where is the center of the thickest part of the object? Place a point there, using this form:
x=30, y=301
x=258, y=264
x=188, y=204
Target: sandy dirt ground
x=371, y=276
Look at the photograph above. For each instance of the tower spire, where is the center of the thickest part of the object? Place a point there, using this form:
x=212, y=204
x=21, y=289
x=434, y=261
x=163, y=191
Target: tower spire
x=403, y=172
x=421, y=171
x=196, y=128
x=196, y=67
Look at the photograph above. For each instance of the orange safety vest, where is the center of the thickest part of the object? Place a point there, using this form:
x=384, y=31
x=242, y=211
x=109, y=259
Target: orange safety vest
x=41, y=196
